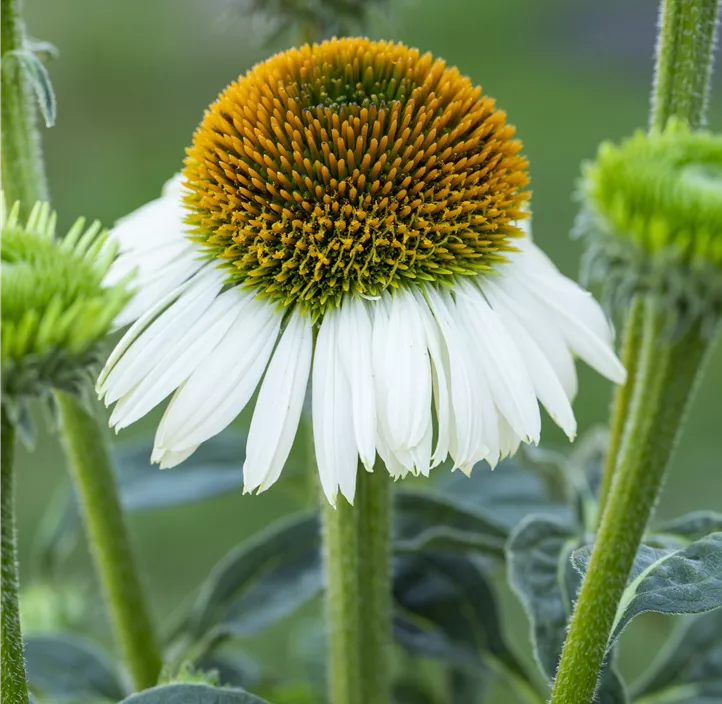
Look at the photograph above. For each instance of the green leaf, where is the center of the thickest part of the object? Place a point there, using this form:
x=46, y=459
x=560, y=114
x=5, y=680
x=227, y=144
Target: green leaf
x=685, y=529
x=447, y=610
x=506, y=495
x=261, y=581
x=426, y=520
x=192, y=694
x=213, y=469
x=537, y=557
x=687, y=581
x=39, y=79
x=67, y=668
x=689, y=669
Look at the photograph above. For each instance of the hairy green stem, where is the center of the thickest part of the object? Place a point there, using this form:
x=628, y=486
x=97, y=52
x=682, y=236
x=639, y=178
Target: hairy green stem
x=373, y=506
x=341, y=561
x=14, y=685
x=666, y=376
x=358, y=591
x=684, y=61
x=631, y=342
x=23, y=170
x=92, y=474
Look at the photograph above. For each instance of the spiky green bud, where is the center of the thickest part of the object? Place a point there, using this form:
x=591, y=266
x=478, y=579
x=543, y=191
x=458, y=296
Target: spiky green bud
x=55, y=309
x=653, y=220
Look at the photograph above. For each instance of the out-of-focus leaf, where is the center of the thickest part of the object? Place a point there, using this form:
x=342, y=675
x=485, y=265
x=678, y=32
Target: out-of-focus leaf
x=686, y=529
x=446, y=609
x=192, y=694
x=409, y=691
x=213, y=469
x=39, y=78
x=506, y=495
x=537, y=554
x=428, y=520
x=689, y=669
x=687, y=581
x=233, y=670
x=261, y=581
x=67, y=668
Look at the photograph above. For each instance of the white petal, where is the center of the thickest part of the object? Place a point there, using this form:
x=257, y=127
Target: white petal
x=506, y=374
x=333, y=431
x=441, y=376
x=577, y=315
x=354, y=345
x=218, y=391
x=280, y=401
x=178, y=362
x=465, y=443
x=402, y=369
x=169, y=458
x=150, y=347
x=547, y=386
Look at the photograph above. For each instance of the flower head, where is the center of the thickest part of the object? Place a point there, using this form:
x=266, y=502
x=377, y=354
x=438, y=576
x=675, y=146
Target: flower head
x=653, y=220
x=350, y=211
x=55, y=308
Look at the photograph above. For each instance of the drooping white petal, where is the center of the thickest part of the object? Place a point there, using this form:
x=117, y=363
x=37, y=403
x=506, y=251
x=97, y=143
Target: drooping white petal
x=176, y=363
x=441, y=376
x=170, y=458
x=547, y=386
x=151, y=345
x=333, y=429
x=465, y=444
x=577, y=315
x=402, y=370
x=354, y=346
x=280, y=401
x=506, y=374
x=219, y=390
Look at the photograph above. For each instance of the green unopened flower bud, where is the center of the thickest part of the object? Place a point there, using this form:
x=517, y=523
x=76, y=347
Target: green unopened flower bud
x=653, y=220
x=55, y=308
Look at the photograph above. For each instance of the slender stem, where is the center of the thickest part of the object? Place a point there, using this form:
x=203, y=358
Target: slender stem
x=631, y=342
x=684, y=61
x=14, y=685
x=90, y=467
x=341, y=560
x=373, y=506
x=666, y=379
x=23, y=170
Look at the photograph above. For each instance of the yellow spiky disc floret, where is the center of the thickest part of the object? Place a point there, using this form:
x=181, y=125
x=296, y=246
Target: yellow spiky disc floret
x=353, y=166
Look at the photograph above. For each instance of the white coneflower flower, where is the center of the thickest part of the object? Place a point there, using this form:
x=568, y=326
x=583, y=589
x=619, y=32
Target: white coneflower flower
x=348, y=212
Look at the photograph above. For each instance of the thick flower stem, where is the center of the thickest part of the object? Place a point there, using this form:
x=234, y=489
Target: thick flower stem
x=374, y=541
x=358, y=592
x=23, y=170
x=668, y=370
x=341, y=561
x=90, y=467
x=14, y=685
x=631, y=343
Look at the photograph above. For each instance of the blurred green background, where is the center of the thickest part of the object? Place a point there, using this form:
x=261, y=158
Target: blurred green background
x=132, y=81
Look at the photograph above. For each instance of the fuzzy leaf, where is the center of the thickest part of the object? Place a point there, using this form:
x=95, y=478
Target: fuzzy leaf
x=261, y=581
x=447, y=610
x=428, y=520
x=39, y=79
x=192, y=694
x=687, y=581
x=537, y=554
x=689, y=669
x=67, y=668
